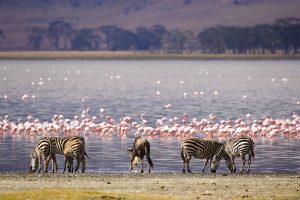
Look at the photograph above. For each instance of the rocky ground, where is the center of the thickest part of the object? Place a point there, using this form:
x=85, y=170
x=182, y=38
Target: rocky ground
x=149, y=186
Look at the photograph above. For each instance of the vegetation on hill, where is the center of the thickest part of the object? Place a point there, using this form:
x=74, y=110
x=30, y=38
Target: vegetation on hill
x=282, y=36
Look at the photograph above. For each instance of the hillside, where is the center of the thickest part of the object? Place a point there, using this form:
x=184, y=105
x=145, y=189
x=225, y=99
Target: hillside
x=17, y=16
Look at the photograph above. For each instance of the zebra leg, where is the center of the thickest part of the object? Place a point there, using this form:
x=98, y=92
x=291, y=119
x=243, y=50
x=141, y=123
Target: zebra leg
x=233, y=169
x=243, y=163
x=188, y=165
x=83, y=164
x=39, y=163
x=249, y=163
x=46, y=161
x=78, y=163
x=70, y=164
x=142, y=166
x=206, y=161
x=66, y=161
x=48, y=158
x=149, y=168
x=131, y=162
x=183, y=166
x=71, y=168
x=183, y=161
x=131, y=168
x=54, y=164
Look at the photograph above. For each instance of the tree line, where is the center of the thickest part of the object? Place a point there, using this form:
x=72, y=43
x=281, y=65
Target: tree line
x=283, y=35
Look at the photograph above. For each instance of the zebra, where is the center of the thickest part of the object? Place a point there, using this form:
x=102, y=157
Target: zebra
x=71, y=147
x=140, y=148
x=47, y=147
x=41, y=150
x=236, y=147
x=200, y=149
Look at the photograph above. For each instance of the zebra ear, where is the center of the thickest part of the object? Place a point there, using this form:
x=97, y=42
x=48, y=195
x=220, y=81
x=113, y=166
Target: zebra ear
x=129, y=150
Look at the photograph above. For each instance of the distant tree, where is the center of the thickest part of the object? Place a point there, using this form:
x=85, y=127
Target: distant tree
x=85, y=39
x=174, y=41
x=288, y=30
x=159, y=32
x=266, y=38
x=213, y=40
x=191, y=41
x=118, y=38
x=245, y=38
x=2, y=36
x=239, y=39
x=60, y=33
x=150, y=39
x=145, y=39
x=36, y=36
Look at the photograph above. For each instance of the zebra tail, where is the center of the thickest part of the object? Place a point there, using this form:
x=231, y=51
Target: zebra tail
x=85, y=154
x=148, y=157
x=252, y=151
x=184, y=155
x=50, y=148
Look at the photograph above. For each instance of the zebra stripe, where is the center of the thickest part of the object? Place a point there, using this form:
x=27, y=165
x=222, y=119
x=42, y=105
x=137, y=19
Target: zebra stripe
x=200, y=149
x=72, y=146
x=42, y=150
x=240, y=147
x=221, y=153
x=236, y=147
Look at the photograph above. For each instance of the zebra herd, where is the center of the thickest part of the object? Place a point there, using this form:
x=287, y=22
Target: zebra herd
x=71, y=147
x=214, y=151
x=74, y=147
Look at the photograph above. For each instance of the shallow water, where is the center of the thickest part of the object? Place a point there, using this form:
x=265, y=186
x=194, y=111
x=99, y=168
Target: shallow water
x=129, y=88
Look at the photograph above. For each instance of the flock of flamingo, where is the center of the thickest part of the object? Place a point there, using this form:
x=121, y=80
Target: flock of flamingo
x=180, y=127
x=183, y=127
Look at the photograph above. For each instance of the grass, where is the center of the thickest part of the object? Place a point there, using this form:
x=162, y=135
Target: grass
x=15, y=186
x=87, y=194
x=136, y=55
x=78, y=194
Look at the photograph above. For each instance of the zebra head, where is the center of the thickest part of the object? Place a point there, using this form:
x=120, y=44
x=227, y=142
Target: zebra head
x=34, y=162
x=221, y=153
x=133, y=157
x=129, y=150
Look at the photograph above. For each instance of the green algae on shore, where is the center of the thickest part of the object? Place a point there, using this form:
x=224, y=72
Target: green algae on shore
x=149, y=186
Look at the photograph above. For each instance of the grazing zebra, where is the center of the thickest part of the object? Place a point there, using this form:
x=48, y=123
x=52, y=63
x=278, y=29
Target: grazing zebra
x=47, y=147
x=236, y=147
x=41, y=150
x=200, y=149
x=71, y=147
x=140, y=148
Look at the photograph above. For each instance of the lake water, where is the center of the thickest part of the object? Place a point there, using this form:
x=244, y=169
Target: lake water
x=228, y=89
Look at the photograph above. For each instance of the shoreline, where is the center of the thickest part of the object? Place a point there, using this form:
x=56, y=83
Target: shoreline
x=95, y=185
x=131, y=55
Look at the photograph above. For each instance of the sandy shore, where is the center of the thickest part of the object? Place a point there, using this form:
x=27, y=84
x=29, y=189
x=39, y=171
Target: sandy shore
x=138, y=55
x=149, y=186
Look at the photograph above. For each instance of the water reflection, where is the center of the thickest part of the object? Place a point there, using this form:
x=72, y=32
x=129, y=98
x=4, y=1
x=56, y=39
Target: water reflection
x=228, y=89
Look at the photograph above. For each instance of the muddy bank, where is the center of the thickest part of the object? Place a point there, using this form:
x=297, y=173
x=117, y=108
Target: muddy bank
x=149, y=186
x=137, y=55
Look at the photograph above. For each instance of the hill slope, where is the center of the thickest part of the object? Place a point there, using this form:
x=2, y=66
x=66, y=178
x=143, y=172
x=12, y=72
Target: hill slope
x=17, y=16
